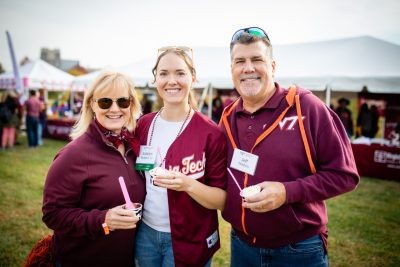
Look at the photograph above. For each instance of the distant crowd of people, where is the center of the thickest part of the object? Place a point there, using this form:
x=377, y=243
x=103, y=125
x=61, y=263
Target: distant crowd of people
x=10, y=116
x=11, y=119
x=367, y=119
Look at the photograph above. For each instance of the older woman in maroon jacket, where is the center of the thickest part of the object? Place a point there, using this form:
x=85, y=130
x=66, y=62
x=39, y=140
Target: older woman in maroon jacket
x=82, y=199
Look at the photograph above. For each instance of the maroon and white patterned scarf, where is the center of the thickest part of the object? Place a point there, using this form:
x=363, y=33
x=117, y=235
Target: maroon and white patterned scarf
x=124, y=137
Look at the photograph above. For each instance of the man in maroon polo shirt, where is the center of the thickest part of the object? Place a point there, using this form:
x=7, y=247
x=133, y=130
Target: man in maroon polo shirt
x=33, y=107
x=296, y=153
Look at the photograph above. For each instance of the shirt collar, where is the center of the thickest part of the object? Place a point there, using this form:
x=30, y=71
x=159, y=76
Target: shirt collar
x=272, y=103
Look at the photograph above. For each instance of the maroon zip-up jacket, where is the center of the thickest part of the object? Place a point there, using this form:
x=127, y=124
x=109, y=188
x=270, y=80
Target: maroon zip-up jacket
x=282, y=158
x=81, y=185
x=199, y=152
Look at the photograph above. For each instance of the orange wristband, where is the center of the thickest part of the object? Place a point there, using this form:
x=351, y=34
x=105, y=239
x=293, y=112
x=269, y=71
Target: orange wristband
x=106, y=229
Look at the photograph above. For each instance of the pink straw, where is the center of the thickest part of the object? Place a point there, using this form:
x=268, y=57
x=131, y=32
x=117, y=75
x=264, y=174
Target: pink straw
x=234, y=179
x=128, y=201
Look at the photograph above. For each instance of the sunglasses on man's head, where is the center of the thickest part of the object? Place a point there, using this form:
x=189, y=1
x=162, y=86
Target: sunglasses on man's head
x=187, y=50
x=106, y=103
x=255, y=31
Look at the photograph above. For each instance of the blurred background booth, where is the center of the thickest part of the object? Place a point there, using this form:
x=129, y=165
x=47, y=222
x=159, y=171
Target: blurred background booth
x=54, y=87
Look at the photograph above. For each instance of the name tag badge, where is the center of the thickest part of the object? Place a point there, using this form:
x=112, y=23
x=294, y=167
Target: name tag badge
x=146, y=159
x=244, y=161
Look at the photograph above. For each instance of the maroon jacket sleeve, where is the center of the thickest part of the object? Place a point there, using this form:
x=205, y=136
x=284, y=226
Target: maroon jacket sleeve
x=332, y=156
x=62, y=194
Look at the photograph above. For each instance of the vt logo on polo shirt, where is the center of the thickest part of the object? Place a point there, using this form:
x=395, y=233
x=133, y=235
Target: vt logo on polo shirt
x=288, y=123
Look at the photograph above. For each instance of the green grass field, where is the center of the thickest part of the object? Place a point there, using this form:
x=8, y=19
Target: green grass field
x=364, y=225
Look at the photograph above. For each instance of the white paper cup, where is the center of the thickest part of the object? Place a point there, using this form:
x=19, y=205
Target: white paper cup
x=137, y=209
x=158, y=171
x=250, y=191
x=152, y=180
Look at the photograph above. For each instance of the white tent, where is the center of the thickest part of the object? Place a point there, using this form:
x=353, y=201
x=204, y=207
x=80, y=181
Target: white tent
x=38, y=74
x=339, y=65
x=212, y=65
x=140, y=72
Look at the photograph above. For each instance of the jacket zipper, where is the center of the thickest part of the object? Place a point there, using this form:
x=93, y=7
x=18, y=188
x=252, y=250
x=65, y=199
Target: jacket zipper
x=123, y=156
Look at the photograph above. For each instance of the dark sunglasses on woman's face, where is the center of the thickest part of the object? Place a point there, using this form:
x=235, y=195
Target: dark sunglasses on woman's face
x=106, y=103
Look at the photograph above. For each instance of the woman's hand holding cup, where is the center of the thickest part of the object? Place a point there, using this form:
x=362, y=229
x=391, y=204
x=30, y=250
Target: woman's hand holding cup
x=121, y=218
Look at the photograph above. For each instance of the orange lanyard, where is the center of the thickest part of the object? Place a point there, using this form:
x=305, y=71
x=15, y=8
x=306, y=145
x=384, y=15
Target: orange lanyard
x=224, y=119
x=290, y=100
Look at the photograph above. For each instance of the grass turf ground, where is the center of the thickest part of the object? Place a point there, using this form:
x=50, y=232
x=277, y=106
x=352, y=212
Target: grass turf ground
x=364, y=225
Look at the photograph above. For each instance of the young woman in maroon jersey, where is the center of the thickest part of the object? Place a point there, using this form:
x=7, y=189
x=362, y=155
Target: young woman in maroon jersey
x=180, y=222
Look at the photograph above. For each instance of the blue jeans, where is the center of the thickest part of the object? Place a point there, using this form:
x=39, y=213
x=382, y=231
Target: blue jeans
x=308, y=253
x=32, y=130
x=154, y=248
x=40, y=132
x=41, y=127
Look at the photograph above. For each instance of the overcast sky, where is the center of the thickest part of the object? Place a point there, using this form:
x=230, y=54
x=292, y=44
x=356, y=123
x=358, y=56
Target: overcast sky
x=103, y=33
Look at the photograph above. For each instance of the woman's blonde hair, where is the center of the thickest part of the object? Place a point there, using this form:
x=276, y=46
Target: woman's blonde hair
x=189, y=62
x=103, y=82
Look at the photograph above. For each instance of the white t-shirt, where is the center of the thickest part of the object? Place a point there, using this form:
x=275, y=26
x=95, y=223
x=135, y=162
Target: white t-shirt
x=155, y=212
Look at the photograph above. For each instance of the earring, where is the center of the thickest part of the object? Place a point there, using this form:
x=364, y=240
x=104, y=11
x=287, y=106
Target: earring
x=94, y=116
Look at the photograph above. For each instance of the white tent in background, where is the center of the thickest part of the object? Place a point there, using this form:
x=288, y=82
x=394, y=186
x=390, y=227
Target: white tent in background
x=82, y=82
x=38, y=74
x=212, y=65
x=344, y=65
x=139, y=71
